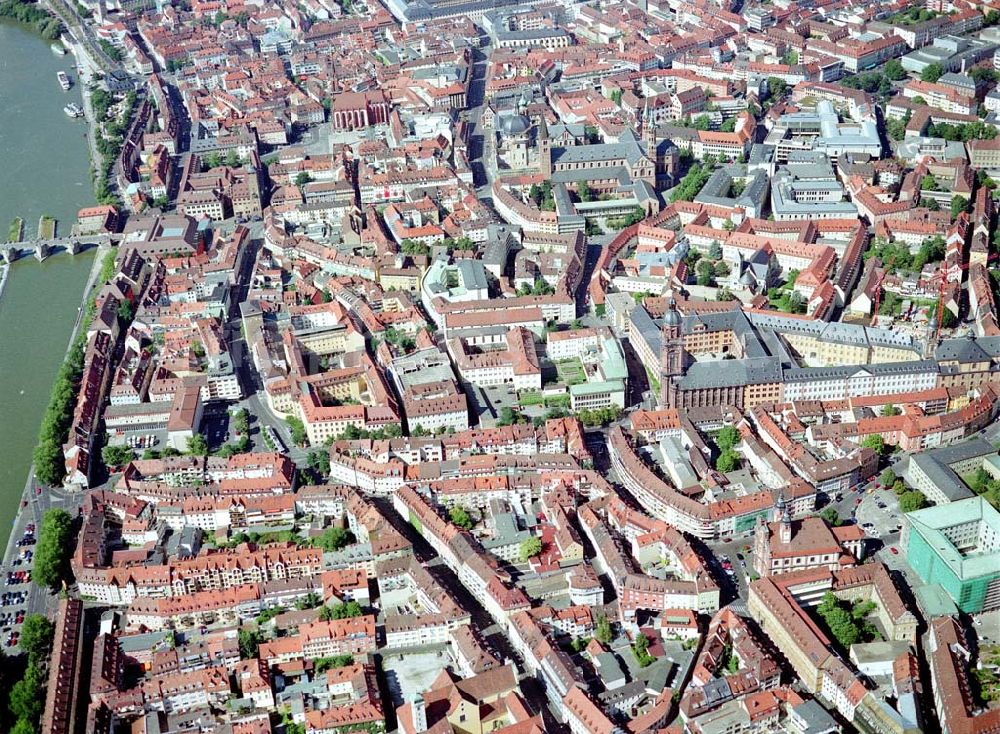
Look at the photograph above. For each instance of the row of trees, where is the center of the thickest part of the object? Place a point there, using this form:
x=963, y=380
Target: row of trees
x=353, y=432
x=977, y=130
x=33, y=15
x=27, y=695
x=48, y=456
x=877, y=82
x=599, y=416
x=695, y=178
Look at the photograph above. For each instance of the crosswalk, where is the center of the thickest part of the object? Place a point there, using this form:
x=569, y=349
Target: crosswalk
x=739, y=607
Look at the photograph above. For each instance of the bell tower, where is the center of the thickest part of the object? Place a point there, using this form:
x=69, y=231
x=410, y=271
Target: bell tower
x=544, y=148
x=672, y=354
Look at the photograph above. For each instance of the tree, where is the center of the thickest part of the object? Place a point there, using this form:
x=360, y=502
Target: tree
x=776, y=87
x=530, y=547
x=728, y=461
x=583, y=191
x=319, y=462
x=197, y=445
x=413, y=247
x=894, y=70
x=302, y=178
x=641, y=643
x=640, y=648
x=958, y=205
x=932, y=72
x=241, y=421
x=125, y=312
x=838, y=620
x=341, y=611
x=297, y=429
x=890, y=410
x=887, y=478
x=715, y=250
x=875, y=442
x=911, y=501
x=691, y=184
x=602, y=631
x=249, y=642
x=706, y=273
x=460, y=517
x=117, y=455
x=54, y=548
x=896, y=127
x=309, y=601
x=23, y=726
x=796, y=302
x=508, y=417
x=728, y=437
x=26, y=696
x=333, y=539
x=831, y=516
x=36, y=637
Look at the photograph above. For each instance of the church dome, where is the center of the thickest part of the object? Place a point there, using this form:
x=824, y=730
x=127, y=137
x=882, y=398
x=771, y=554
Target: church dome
x=514, y=124
x=672, y=317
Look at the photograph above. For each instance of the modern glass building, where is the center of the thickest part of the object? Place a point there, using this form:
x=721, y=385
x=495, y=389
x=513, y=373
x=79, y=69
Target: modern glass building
x=957, y=546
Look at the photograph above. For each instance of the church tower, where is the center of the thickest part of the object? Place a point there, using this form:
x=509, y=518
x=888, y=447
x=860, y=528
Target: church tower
x=672, y=356
x=649, y=132
x=544, y=148
x=784, y=519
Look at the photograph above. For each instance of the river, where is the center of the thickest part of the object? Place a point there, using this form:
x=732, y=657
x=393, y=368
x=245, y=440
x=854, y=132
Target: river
x=44, y=169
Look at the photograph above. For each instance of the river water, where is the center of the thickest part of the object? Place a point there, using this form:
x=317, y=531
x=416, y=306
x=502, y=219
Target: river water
x=44, y=169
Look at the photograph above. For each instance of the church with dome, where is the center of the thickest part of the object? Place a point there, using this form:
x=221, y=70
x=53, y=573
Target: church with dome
x=515, y=138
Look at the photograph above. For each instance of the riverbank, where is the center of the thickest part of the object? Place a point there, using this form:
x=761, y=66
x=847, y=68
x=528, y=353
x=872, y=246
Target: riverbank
x=36, y=500
x=87, y=67
x=30, y=496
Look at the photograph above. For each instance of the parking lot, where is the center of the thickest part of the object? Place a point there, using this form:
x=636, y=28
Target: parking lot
x=414, y=672
x=878, y=513
x=137, y=440
x=17, y=577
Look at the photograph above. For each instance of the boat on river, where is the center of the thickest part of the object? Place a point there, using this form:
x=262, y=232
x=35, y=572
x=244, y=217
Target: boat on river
x=64, y=80
x=73, y=110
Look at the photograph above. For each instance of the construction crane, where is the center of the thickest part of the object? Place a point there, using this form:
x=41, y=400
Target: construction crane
x=878, y=286
x=943, y=279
